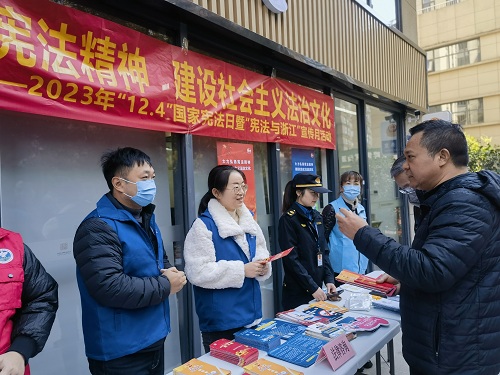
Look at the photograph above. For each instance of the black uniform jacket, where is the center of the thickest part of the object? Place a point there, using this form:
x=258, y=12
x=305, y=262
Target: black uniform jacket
x=303, y=276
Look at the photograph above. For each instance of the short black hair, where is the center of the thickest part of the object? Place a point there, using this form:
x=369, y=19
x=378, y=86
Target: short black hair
x=120, y=161
x=397, y=166
x=438, y=134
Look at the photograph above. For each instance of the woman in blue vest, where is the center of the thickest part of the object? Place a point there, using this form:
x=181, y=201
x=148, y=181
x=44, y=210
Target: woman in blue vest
x=223, y=253
x=307, y=267
x=343, y=253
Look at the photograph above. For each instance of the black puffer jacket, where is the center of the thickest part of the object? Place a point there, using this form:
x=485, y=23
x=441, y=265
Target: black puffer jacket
x=450, y=277
x=303, y=276
x=33, y=321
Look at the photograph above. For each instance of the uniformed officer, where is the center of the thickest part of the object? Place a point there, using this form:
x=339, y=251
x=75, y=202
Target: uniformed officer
x=307, y=267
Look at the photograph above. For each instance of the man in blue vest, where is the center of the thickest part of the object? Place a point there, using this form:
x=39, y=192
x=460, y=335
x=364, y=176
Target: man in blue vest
x=123, y=272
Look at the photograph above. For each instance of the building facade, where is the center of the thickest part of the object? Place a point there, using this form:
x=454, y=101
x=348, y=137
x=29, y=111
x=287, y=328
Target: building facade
x=462, y=41
x=359, y=81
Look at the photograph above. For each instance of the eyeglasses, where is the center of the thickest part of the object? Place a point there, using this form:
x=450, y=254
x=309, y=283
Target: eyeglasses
x=237, y=188
x=406, y=190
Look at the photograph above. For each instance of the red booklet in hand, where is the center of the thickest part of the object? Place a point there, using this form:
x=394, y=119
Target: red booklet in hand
x=284, y=253
x=366, y=282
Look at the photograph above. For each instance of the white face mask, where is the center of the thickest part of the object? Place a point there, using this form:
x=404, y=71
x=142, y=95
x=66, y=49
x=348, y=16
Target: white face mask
x=146, y=192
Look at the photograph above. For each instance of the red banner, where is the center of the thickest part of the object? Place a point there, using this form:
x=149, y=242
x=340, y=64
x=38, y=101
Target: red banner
x=57, y=61
x=240, y=156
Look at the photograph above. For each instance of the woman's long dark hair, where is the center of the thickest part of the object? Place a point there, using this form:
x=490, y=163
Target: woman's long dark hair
x=290, y=196
x=218, y=179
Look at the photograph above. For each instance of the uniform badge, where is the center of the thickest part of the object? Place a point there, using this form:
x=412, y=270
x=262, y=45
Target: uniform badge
x=6, y=256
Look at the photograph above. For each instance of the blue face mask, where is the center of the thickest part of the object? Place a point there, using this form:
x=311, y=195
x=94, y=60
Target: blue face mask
x=146, y=192
x=351, y=192
x=413, y=198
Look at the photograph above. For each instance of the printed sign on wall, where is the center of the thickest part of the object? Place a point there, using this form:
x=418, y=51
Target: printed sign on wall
x=240, y=155
x=303, y=161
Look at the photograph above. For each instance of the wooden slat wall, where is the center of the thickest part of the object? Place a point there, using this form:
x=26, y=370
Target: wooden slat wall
x=339, y=34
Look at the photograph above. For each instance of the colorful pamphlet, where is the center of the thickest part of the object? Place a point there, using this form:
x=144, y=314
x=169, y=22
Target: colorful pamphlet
x=197, y=367
x=300, y=317
x=329, y=306
x=280, y=328
x=328, y=315
x=265, y=367
x=365, y=282
x=301, y=350
x=364, y=323
x=233, y=352
x=327, y=331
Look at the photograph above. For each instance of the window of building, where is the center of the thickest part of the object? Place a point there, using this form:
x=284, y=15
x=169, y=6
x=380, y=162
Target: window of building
x=430, y=5
x=465, y=112
x=454, y=55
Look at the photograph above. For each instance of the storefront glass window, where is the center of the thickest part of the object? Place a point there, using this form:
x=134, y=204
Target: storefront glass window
x=381, y=134
x=346, y=129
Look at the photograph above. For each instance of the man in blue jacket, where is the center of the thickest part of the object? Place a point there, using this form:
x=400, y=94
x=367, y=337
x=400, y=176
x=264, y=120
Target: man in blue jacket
x=123, y=272
x=450, y=276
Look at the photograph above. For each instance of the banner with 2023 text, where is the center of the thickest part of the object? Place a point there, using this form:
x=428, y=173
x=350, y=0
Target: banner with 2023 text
x=58, y=61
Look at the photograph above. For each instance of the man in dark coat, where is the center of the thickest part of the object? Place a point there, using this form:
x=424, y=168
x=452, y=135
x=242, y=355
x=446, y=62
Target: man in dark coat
x=450, y=276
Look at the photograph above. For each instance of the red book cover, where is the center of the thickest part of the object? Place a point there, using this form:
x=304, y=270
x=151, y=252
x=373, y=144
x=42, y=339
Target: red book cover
x=364, y=281
x=233, y=352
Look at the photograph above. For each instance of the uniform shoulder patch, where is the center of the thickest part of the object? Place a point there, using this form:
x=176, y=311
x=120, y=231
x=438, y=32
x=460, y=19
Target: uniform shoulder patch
x=290, y=212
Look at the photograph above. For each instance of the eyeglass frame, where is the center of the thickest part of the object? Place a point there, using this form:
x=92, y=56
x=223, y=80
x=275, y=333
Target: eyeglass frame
x=236, y=189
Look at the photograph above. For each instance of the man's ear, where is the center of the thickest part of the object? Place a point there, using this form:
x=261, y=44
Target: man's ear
x=117, y=183
x=444, y=157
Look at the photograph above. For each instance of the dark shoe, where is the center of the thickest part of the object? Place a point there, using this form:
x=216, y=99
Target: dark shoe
x=360, y=371
x=368, y=364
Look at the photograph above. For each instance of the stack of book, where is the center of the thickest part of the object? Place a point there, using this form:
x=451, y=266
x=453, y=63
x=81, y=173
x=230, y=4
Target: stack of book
x=197, y=367
x=265, y=367
x=366, y=282
x=390, y=303
x=258, y=339
x=280, y=328
x=233, y=352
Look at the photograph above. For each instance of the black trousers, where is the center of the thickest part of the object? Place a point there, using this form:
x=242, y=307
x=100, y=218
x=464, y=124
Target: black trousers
x=210, y=337
x=141, y=363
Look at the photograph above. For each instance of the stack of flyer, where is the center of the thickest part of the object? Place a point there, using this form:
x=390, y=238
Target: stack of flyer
x=197, y=367
x=265, y=367
x=366, y=282
x=327, y=331
x=280, y=328
x=233, y=352
x=300, y=317
x=301, y=350
x=318, y=312
x=257, y=339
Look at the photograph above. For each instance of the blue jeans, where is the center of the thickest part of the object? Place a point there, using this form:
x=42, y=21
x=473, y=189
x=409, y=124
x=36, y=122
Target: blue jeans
x=141, y=363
